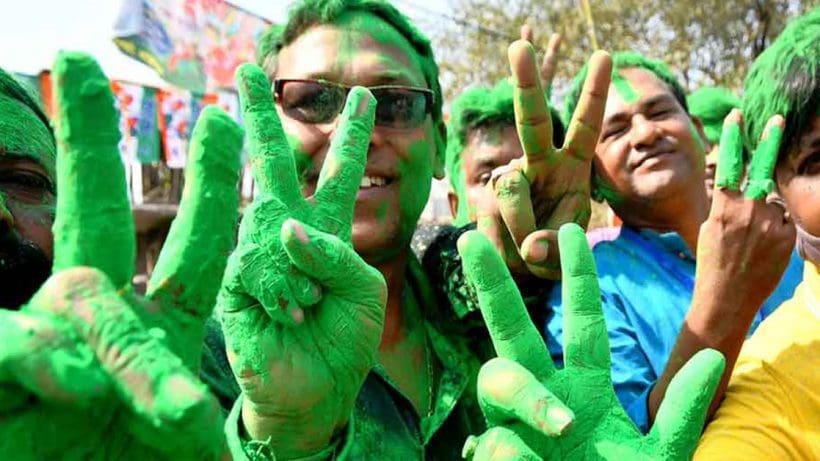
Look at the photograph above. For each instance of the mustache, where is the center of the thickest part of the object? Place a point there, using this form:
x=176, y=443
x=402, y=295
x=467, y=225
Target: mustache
x=24, y=267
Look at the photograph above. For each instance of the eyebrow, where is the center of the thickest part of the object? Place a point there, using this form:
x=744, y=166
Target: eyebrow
x=15, y=155
x=642, y=106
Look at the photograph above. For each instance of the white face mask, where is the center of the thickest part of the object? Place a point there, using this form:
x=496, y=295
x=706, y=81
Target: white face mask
x=808, y=246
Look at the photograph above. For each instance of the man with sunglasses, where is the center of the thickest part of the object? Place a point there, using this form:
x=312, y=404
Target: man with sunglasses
x=329, y=351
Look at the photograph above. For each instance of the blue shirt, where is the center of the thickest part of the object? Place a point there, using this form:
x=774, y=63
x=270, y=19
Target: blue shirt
x=646, y=281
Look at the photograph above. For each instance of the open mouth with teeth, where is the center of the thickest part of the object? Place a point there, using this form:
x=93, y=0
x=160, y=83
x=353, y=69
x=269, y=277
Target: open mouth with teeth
x=374, y=181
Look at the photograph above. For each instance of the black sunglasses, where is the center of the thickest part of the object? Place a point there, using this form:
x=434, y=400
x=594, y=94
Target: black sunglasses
x=320, y=101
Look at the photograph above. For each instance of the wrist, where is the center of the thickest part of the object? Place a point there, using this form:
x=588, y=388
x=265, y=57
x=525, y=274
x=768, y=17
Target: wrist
x=287, y=437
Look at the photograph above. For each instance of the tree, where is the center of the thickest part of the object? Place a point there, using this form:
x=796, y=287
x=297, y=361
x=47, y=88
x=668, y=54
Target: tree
x=706, y=42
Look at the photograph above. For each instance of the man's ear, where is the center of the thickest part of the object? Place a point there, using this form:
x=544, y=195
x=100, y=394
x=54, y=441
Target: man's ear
x=452, y=199
x=441, y=148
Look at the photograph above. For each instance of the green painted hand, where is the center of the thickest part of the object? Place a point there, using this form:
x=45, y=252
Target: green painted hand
x=89, y=370
x=301, y=311
x=527, y=200
x=539, y=412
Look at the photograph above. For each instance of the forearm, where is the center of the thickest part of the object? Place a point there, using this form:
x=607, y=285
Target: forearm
x=714, y=321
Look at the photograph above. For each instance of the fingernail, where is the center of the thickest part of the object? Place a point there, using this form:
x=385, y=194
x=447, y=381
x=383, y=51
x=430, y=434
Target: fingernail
x=298, y=231
x=298, y=315
x=560, y=419
x=470, y=446
x=538, y=252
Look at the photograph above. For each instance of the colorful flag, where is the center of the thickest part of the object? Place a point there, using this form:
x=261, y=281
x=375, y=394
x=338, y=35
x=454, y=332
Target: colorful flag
x=192, y=44
x=138, y=122
x=175, y=125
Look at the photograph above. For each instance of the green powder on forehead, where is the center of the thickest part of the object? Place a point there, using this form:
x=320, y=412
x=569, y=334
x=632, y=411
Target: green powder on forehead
x=23, y=134
x=624, y=89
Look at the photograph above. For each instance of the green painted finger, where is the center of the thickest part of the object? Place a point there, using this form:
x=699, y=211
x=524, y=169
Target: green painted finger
x=729, y=170
x=202, y=235
x=344, y=165
x=274, y=167
x=764, y=158
x=327, y=259
x=43, y=355
x=93, y=225
x=679, y=422
x=512, y=191
x=498, y=444
x=165, y=398
x=586, y=343
x=509, y=392
x=513, y=334
x=585, y=126
x=532, y=115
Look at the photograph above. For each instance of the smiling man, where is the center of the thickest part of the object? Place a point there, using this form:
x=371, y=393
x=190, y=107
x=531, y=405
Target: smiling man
x=415, y=401
x=334, y=341
x=27, y=199
x=649, y=167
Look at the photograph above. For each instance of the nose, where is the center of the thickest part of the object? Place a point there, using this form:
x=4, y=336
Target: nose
x=644, y=132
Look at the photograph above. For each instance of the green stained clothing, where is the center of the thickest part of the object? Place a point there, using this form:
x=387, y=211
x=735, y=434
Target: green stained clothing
x=384, y=424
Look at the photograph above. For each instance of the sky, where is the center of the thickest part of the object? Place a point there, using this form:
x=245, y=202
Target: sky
x=33, y=31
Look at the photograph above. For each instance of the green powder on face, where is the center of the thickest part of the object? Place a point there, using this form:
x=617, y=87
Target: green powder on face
x=23, y=135
x=416, y=174
x=93, y=226
x=624, y=89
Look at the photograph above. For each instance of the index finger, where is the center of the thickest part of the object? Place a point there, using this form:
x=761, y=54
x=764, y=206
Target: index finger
x=729, y=170
x=343, y=167
x=585, y=126
x=93, y=225
x=763, y=160
x=202, y=235
x=513, y=334
x=532, y=115
x=586, y=343
x=274, y=168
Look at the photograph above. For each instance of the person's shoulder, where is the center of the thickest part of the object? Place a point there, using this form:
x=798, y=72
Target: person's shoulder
x=789, y=328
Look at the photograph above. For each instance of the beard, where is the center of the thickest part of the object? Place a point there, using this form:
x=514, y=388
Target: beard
x=24, y=267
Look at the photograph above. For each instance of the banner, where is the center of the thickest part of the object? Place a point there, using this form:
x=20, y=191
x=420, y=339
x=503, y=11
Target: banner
x=138, y=122
x=192, y=44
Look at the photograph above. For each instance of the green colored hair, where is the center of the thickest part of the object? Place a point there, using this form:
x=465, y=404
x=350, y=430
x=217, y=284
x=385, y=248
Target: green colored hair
x=625, y=60
x=475, y=108
x=308, y=13
x=784, y=80
x=711, y=104
x=15, y=90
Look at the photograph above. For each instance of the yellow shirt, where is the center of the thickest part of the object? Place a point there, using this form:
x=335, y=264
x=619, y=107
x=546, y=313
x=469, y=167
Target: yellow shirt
x=772, y=404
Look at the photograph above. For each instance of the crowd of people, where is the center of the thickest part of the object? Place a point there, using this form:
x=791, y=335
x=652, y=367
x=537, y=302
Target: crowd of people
x=315, y=331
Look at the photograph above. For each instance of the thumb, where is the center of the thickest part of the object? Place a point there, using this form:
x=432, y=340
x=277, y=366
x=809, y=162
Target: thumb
x=680, y=419
x=330, y=261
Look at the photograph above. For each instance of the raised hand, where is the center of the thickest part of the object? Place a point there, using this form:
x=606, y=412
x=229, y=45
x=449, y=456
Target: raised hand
x=539, y=412
x=302, y=313
x=94, y=371
x=743, y=249
x=528, y=200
